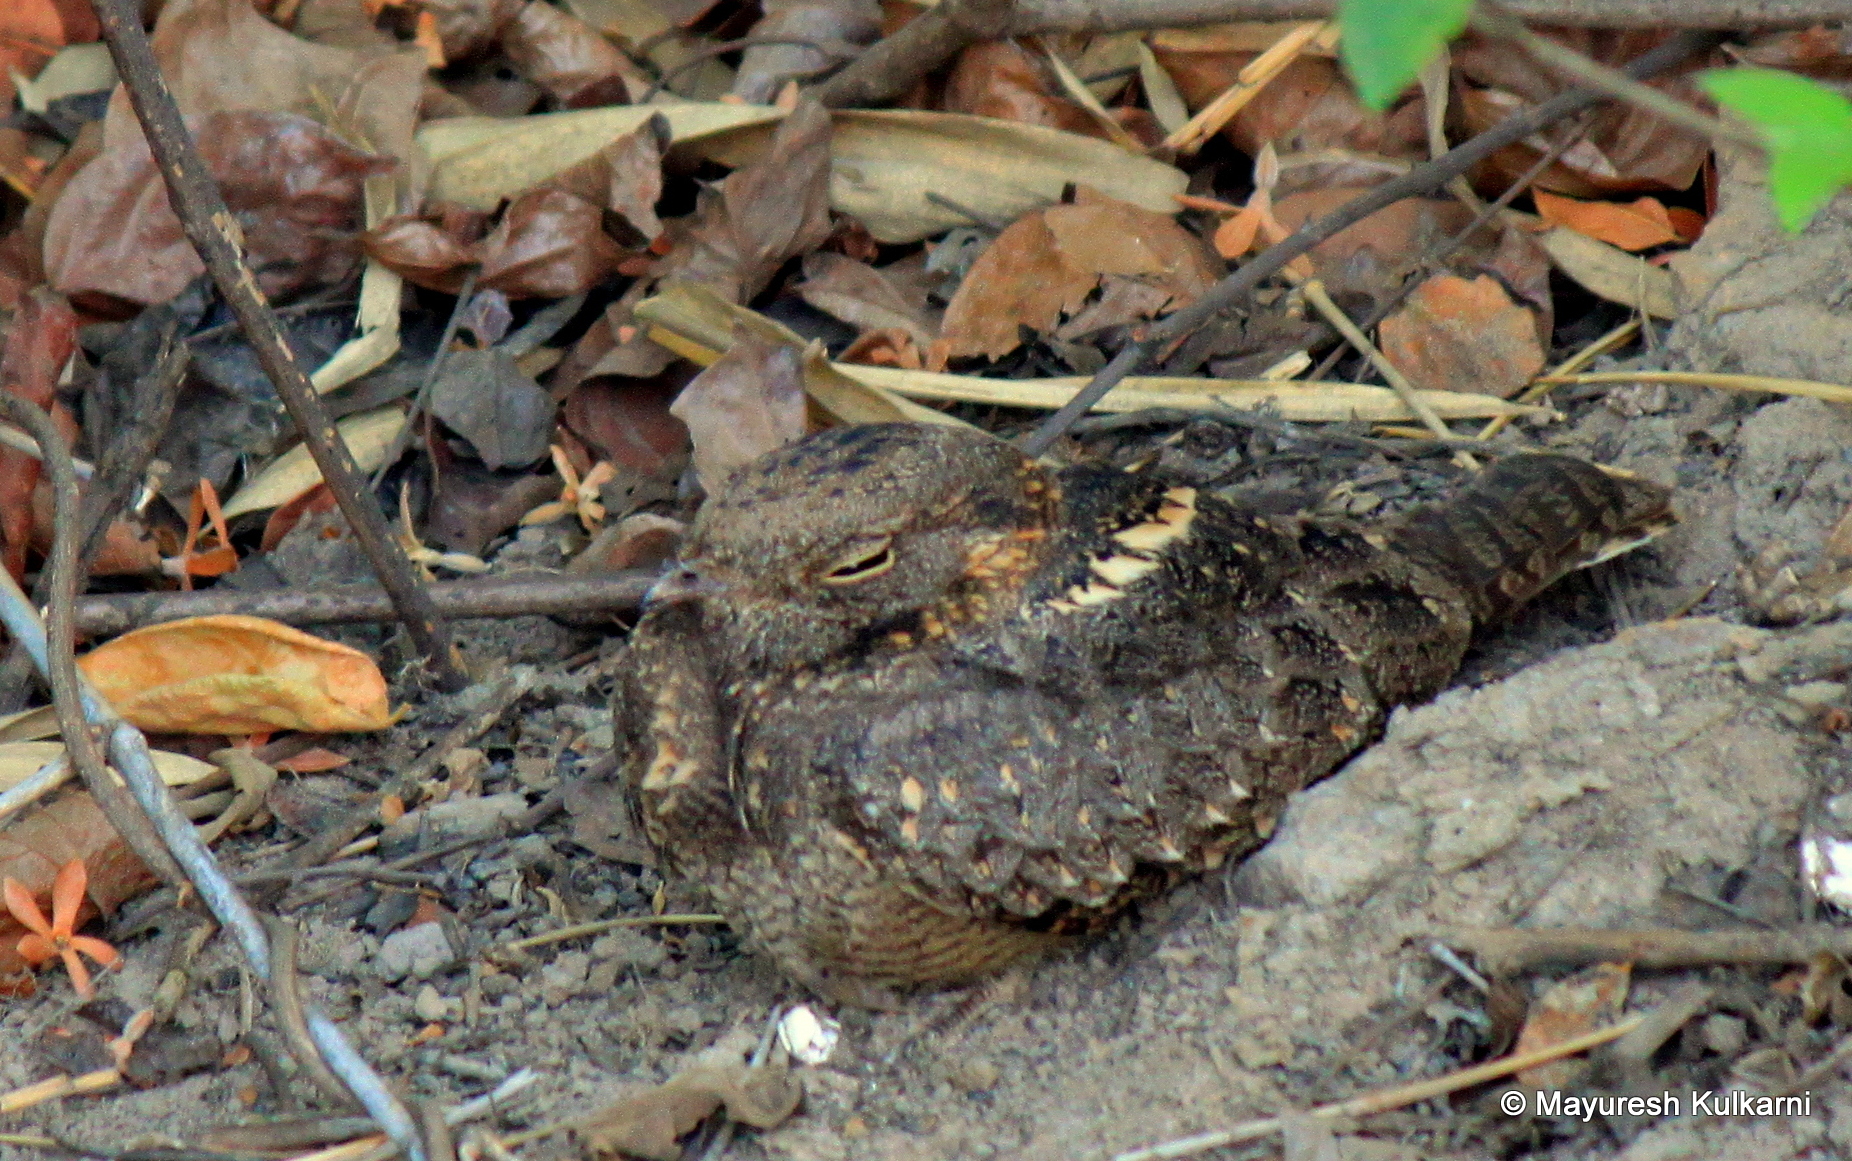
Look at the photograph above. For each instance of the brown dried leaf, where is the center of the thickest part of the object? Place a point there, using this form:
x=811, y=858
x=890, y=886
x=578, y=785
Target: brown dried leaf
x=1588, y=1000
x=861, y=295
x=1823, y=52
x=750, y=401
x=237, y=675
x=424, y=250
x=835, y=30
x=294, y=186
x=1021, y=279
x=629, y=424
x=765, y=213
x=38, y=345
x=647, y=1123
x=549, y=244
x=568, y=58
x=1459, y=335
x=624, y=177
x=1374, y=255
x=32, y=31
x=1108, y=236
x=1000, y=79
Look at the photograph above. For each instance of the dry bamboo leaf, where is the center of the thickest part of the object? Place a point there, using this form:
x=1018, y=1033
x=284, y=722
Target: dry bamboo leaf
x=885, y=162
x=1318, y=402
x=21, y=760
x=1611, y=273
x=292, y=474
x=478, y=161
x=698, y=324
x=237, y=675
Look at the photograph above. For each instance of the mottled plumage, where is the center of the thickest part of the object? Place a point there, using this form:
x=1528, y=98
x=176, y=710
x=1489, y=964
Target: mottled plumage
x=921, y=704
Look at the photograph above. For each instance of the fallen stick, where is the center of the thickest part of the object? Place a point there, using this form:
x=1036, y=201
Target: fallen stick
x=505, y=596
x=1504, y=950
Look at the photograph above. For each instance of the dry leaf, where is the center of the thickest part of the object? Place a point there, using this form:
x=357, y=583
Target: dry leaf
x=43, y=335
x=1639, y=225
x=1588, y=1000
x=294, y=185
x=828, y=31
x=749, y=402
x=1000, y=79
x=293, y=474
x=21, y=760
x=1045, y=264
x=648, y=1122
x=764, y=214
x=1611, y=273
x=1456, y=334
x=237, y=675
x=861, y=295
x=31, y=33
x=884, y=162
x=569, y=59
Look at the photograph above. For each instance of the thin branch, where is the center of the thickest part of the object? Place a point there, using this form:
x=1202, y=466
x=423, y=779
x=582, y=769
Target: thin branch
x=208, y=224
x=1419, y=180
x=522, y=594
x=1494, y=21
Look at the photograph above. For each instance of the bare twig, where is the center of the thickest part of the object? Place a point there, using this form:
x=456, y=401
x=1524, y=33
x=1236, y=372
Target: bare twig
x=1494, y=21
x=1511, y=949
x=202, y=212
x=506, y=596
x=1125, y=15
x=124, y=464
x=1419, y=180
x=889, y=67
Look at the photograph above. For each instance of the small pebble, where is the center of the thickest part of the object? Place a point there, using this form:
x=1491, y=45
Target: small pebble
x=429, y=1005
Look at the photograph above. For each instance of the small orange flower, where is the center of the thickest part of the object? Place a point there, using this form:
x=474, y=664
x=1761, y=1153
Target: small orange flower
x=576, y=496
x=43, y=940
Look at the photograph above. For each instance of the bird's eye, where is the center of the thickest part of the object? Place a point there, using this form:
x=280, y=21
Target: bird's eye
x=861, y=565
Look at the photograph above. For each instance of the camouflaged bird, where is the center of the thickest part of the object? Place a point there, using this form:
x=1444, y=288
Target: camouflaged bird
x=919, y=704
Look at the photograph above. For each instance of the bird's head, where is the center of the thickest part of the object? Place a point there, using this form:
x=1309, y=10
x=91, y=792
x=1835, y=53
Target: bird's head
x=881, y=535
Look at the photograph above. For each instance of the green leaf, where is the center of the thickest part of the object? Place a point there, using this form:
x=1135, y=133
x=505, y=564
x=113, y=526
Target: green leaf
x=1386, y=42
x=1808, y=129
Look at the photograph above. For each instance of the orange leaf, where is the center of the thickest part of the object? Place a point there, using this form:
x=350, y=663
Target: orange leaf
x=237, y=675
x=1235, y=237
x=1458, y=334
x=314, y=760
x=1640, y=226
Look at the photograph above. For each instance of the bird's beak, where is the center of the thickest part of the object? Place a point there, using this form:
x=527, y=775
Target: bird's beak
x=680, y=584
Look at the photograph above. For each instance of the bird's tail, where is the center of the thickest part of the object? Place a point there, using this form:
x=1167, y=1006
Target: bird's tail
x=1527, y=521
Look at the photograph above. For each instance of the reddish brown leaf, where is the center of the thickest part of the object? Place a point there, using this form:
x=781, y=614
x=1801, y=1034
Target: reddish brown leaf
x=549, y=244
x=1458, y=335
x=568, y=58
x=629, y=424
x=1639, y=225
x=765, y=213
x=1623, y=148
x=422, y=251
x=1573, y=1007
x=998, y=78
x=32, y=31
x=859, y=294
x=294, y=186
x=748, y=403
x=1021, y=279
x=1822, y=52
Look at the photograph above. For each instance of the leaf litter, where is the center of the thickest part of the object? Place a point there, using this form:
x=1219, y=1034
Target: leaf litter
x=753, y=266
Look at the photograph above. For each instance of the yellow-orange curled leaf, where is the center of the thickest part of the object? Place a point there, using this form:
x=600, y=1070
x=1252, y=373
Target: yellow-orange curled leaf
x=234, y=674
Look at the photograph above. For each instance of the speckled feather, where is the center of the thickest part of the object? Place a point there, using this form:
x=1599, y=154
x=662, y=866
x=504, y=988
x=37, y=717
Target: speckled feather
x=1038, y=695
